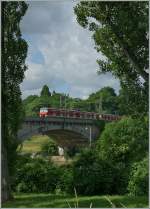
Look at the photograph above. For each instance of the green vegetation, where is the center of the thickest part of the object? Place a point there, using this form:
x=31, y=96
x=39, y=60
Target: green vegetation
x=49, y=148
x=14, y=52
x=138, y=181
x=107, y=168
x=117, y=164
x=92, y=175
x=33, y=103
x=105, y=101
x=45, y=91
x=34, y=144
x=35, y=175
x=124, y=141
x=122, y=144
x=126, y=52
x=36, y=200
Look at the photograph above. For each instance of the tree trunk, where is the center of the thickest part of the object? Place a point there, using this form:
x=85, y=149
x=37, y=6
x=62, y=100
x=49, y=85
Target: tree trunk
x=5, y=189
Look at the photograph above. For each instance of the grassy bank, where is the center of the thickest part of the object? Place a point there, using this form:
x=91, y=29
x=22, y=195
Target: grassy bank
x=34, y=144
x=65, y=201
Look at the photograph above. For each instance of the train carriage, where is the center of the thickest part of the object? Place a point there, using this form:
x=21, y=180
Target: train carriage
x=54, y=112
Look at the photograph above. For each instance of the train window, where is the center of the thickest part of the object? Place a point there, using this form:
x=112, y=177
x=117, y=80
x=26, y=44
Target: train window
x=44, y=109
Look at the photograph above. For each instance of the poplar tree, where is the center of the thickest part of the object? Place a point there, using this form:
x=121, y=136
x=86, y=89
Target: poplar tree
x=45, y=91
x=120, y=32
x=14, y=52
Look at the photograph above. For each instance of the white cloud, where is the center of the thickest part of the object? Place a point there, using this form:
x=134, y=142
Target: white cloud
x=67, y=50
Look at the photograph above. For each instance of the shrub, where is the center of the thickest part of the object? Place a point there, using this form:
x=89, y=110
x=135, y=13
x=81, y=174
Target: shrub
x=92, y=175
x=36, y=175
x=50, y=148
x=138, y=183
x=122, y=143
x=66, y=179
x=72, y=151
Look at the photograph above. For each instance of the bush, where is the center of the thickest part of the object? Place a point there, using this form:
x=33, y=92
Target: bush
x=92, y=175
x=101, y=124
x=138, y=183
x=36, y=175
x=122, y=143
x=88, y=174
x=49, y=148
x=66, y=184
x=72, y=151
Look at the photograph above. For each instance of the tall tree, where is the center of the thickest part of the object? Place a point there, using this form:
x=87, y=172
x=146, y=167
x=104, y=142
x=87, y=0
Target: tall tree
x=120, y=32
x=45, y=91
x=132, y=94
x=14, y=52
x=105, y=100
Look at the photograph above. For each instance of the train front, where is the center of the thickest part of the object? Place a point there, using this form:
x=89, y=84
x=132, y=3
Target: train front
x=43, y=112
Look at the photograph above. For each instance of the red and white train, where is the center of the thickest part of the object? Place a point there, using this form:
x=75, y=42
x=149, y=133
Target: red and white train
x=54, y=112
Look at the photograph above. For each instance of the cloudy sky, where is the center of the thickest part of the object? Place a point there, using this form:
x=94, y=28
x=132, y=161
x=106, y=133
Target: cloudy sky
x=61, y=53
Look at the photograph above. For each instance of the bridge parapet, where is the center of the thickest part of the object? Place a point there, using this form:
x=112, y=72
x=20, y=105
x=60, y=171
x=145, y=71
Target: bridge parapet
x=59, y=119
x=37, y=125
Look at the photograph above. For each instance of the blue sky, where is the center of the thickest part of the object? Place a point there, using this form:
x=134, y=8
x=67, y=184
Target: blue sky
x=36, y=56
x=61, y=53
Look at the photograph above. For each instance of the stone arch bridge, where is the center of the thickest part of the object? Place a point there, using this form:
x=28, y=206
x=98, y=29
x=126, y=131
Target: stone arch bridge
x=84, y=128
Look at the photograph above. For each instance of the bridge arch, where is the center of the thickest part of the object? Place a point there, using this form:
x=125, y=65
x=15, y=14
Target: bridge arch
x=67, y=138
x=35, y=125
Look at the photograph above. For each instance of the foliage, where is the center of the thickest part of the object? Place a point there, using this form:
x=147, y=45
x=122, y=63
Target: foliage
x=82, y=105
x=104, y=100
x=29, y=99
x=92, y=175
x=14, y=52
x=12, y=69
x=101, y=124
x=138, y=182
x=32, y=106
x=35, y=175
x=123, y=143
x=45, y=91
x=128, y=96
x=125, y=52
x=49, y=148
x=66, y=179
x=72, y=151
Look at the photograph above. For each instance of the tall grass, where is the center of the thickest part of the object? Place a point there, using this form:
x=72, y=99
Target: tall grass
x=76, y=203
